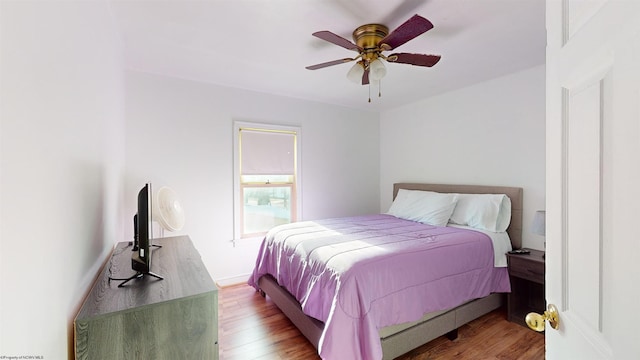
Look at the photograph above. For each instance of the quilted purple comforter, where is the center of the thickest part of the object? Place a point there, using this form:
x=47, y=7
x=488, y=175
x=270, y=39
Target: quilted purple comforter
x=360, y=274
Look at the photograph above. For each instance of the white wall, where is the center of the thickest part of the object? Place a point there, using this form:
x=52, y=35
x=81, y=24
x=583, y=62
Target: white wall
x=62, y=138
x=492, y=133
x=179, y=134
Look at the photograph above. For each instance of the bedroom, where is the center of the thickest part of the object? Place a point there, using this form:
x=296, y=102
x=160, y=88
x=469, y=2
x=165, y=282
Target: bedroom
x=91, y=130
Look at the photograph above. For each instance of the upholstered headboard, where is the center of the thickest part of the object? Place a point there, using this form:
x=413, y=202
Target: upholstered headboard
x=514, y=193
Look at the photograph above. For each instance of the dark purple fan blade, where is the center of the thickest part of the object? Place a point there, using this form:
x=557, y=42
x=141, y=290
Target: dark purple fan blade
x=411, y=28
x=414, y=59
x=328, y=63
x=336, y=39
x=365, y=77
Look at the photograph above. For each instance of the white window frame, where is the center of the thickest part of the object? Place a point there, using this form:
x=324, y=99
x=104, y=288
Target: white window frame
x=237, y=187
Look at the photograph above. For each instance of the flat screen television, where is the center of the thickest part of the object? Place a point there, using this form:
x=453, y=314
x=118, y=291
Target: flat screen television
x=143, y=237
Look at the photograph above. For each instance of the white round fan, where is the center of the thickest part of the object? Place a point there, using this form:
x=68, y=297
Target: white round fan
x=167, y=210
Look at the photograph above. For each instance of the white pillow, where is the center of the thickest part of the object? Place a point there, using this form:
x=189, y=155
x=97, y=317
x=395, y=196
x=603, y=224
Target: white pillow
x=426, y=207
x=491, y=212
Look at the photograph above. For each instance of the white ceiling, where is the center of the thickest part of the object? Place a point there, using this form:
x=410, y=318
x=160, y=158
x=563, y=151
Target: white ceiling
x=264, y=45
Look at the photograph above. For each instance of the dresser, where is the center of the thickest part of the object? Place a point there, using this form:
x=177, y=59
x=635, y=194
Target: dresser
x=526, y=272
x=148, y=318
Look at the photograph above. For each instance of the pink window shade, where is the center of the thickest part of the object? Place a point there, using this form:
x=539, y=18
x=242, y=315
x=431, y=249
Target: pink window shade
x=267, y=153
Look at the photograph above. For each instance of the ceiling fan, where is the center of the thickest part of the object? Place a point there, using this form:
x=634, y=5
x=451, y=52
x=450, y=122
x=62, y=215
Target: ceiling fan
x=370, y=42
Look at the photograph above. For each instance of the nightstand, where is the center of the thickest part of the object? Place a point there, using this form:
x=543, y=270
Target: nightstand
x=527, y=285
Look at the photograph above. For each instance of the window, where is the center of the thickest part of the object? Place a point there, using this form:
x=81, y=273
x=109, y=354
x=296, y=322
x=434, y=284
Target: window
x=266, y=177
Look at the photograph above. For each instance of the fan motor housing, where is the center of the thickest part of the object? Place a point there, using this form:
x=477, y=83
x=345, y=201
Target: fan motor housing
x=368, y=36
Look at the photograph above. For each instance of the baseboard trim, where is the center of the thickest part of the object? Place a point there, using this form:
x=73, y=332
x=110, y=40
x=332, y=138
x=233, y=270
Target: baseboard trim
x=234, y=280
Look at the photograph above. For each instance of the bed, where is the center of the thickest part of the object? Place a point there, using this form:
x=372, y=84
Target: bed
x=337, y=314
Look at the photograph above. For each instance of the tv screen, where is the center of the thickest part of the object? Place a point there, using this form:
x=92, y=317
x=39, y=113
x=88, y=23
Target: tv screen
x=141, y=259
x=143, y=236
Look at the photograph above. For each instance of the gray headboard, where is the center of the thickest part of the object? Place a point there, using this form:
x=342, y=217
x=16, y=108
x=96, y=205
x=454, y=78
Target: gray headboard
x=514, y=193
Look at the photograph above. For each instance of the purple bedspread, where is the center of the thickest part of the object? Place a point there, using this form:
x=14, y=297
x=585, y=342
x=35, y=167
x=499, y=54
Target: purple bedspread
x=360, y=274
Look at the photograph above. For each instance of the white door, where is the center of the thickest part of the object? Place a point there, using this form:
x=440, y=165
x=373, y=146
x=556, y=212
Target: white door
x=593, y=178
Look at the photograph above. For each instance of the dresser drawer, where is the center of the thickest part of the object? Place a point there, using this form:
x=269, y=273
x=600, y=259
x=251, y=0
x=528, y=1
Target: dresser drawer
x=522, y=267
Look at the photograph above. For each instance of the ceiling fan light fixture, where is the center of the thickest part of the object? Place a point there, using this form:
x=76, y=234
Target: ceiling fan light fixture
x=377, y=70
x=356, y=72
x=370, y=41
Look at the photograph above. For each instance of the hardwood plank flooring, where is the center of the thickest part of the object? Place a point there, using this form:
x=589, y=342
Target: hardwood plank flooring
x=252, y=327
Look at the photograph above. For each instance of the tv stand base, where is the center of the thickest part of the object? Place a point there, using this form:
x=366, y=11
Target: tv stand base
x=137, y=276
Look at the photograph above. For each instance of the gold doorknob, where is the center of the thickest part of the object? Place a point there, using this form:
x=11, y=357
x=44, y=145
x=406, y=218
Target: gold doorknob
x=536, y=321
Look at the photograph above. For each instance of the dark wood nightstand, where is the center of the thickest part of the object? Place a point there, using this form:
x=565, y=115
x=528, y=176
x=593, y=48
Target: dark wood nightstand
x=527, y=285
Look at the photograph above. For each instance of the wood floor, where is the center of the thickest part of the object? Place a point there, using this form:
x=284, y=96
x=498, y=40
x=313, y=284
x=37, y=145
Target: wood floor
x=252, y=327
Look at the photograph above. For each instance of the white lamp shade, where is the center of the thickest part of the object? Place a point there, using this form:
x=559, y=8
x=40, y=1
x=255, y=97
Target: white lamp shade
x=377, y=70
x=539, y=226
x=355, y=73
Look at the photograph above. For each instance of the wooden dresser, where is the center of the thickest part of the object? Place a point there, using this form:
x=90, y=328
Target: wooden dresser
x=174, y=318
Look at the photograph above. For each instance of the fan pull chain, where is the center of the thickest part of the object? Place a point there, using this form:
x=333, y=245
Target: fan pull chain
x=379, y=89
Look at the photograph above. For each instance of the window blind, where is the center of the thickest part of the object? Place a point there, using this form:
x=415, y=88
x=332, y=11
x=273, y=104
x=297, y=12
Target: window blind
x=267, y=152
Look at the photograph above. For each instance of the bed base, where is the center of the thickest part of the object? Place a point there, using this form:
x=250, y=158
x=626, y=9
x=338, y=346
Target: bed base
x=396, y=340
